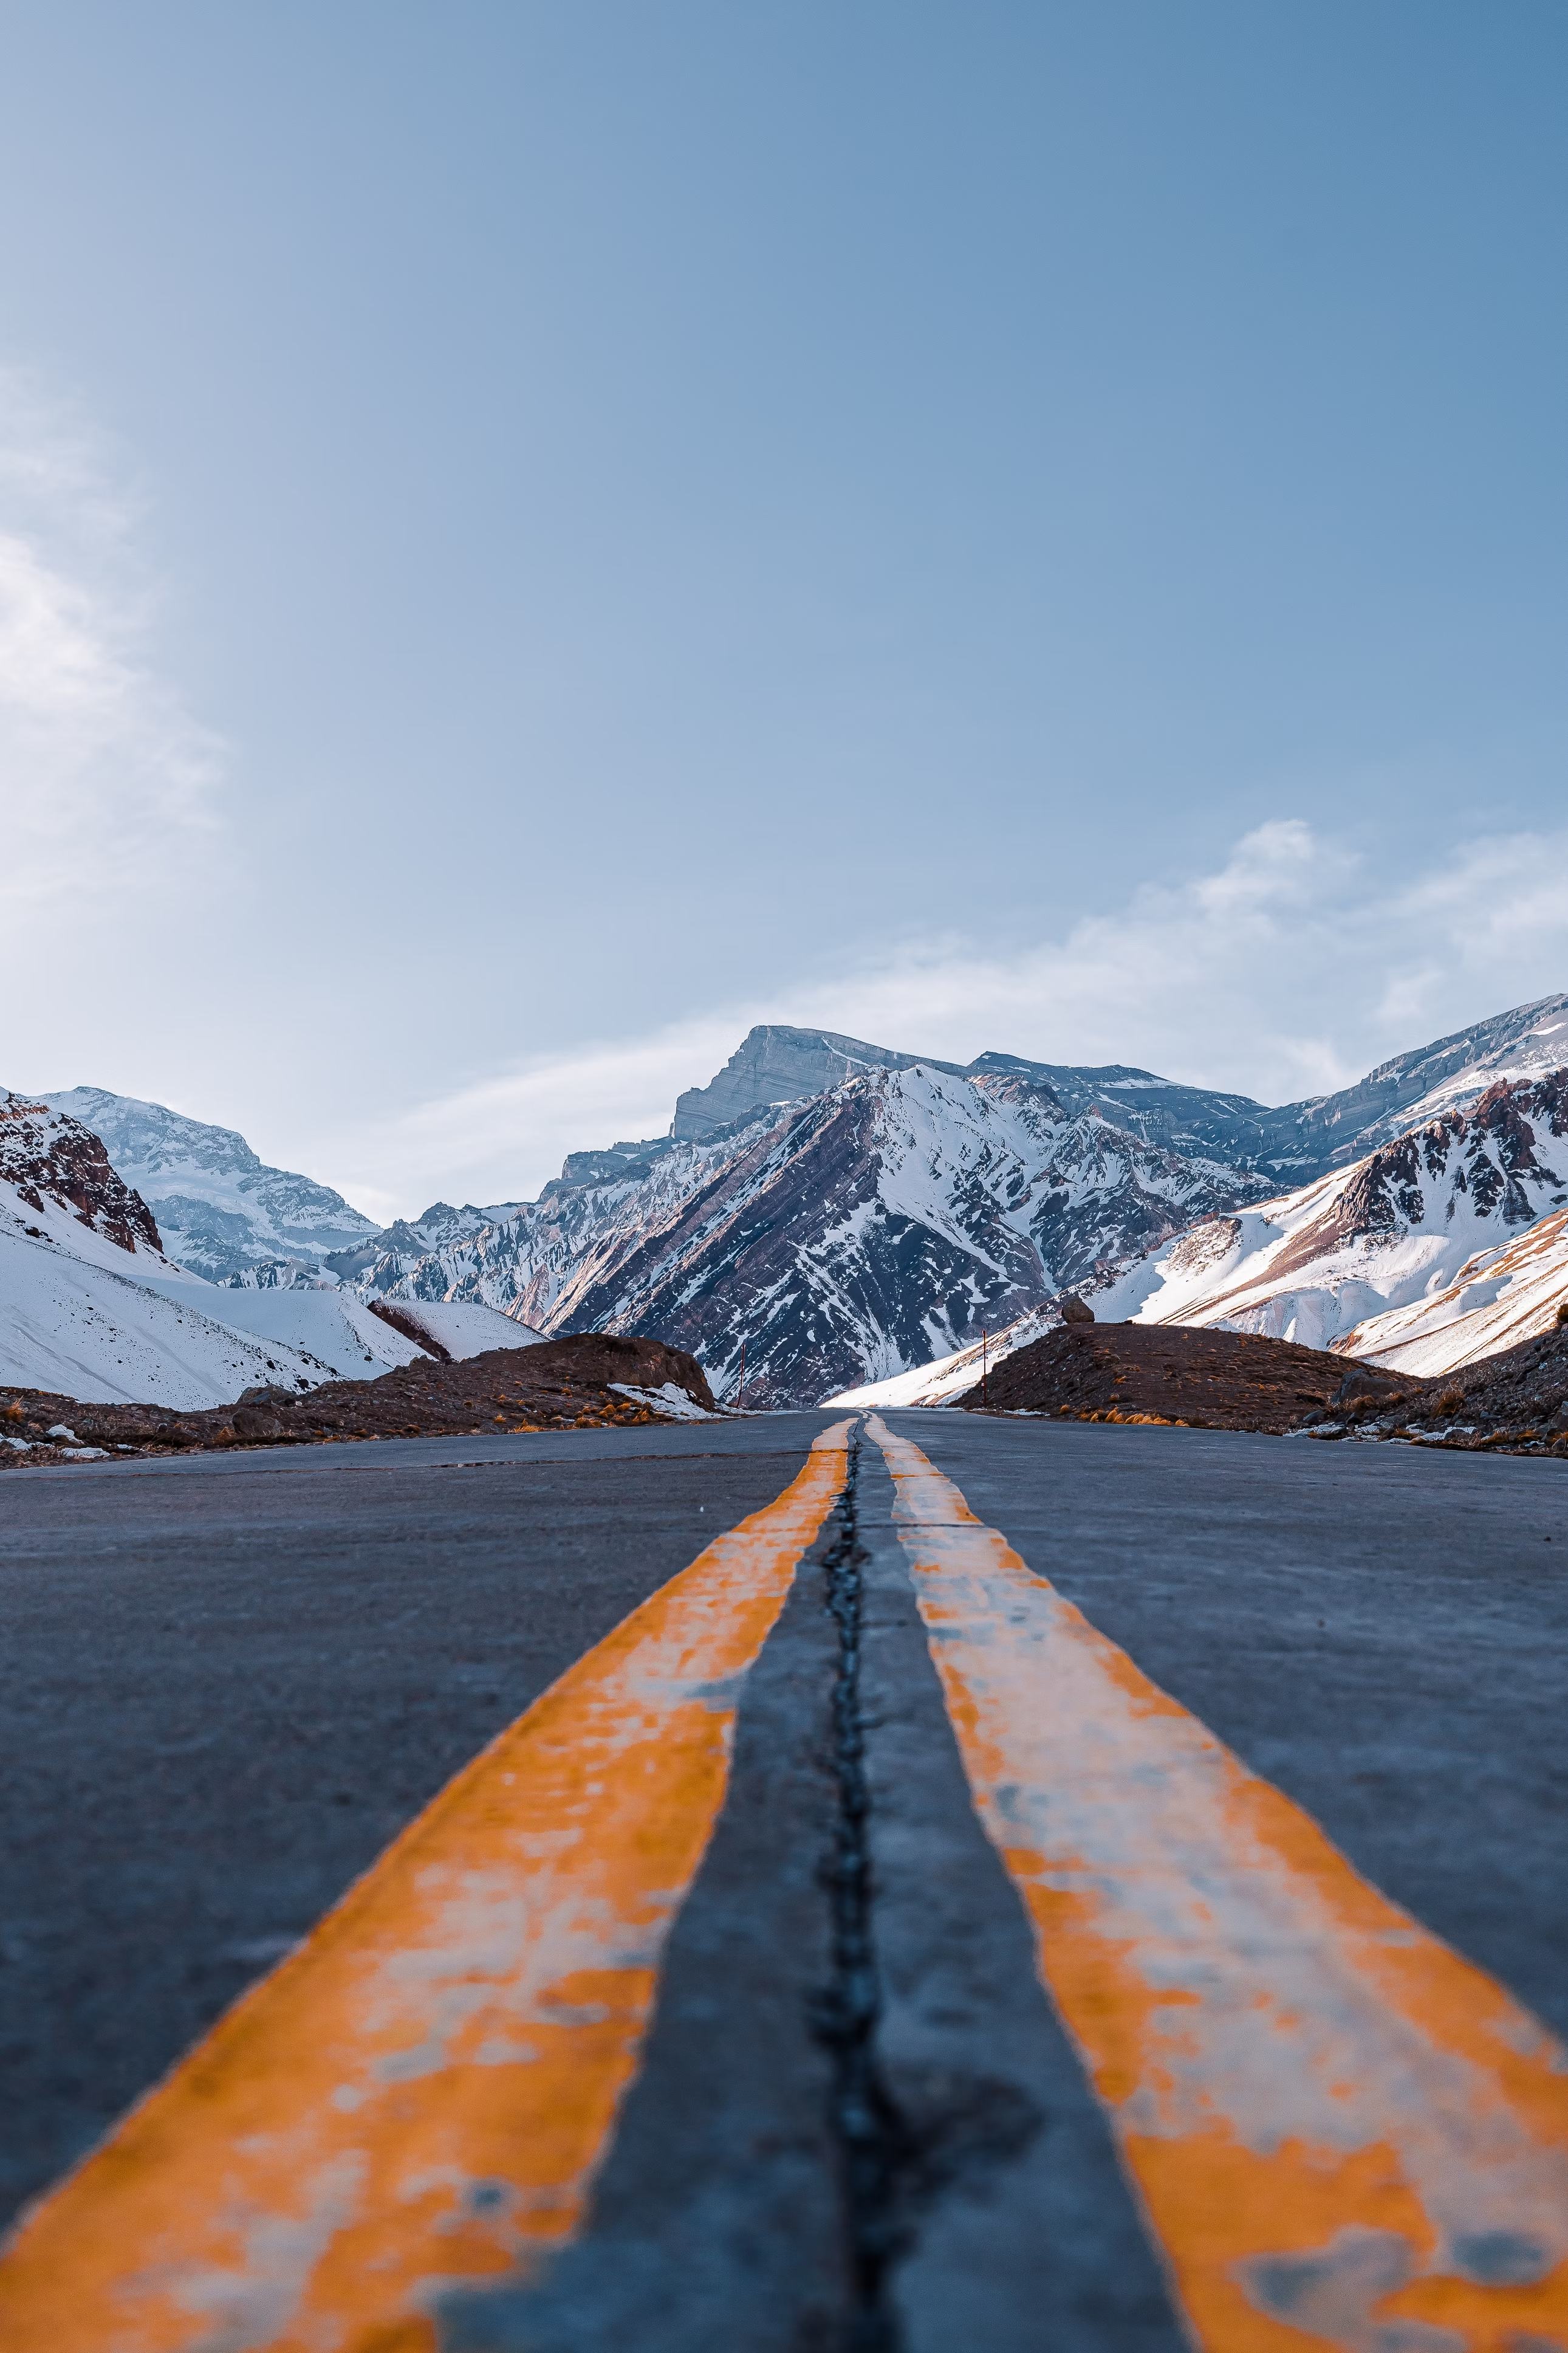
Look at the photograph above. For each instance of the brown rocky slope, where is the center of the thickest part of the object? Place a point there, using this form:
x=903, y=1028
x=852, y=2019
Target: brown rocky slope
x=1165, y=1373
x=1516, y=1402
x=562, y=1385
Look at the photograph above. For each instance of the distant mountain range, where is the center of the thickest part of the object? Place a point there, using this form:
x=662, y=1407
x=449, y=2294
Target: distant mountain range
x=847, y=1211
x=221, y=1210
x=844, y=1212
x=91, y=1305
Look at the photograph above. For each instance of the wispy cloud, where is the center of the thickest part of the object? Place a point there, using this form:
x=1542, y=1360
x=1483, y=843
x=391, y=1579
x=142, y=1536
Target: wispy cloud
x=1288, y=971
x=102, y=768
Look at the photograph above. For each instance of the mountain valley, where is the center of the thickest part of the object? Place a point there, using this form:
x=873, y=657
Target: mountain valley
x=832, y=1217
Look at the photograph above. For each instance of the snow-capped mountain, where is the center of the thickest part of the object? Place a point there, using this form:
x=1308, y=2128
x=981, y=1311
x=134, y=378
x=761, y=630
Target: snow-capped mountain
x=890, y=1218
x=389, y=1253
x=774, y=1066
x=84, y=1284
x=847, y=1212
x=221, y=1210
x=853, y=1213
x=1400, y=1229
x=92, y=1307
x=1309, y=1138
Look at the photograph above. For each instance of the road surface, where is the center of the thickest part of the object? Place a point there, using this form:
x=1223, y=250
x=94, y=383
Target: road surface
x=1022, y=1885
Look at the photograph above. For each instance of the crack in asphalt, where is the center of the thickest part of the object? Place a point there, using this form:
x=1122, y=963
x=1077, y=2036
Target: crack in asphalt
x=873, y=2140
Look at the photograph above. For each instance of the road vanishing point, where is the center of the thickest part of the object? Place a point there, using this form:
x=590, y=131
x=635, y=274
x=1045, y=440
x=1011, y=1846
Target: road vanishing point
x=807, y=1884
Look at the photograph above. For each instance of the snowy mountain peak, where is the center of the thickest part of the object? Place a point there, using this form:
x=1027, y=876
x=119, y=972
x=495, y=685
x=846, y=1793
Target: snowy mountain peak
x=223, y=1212
x=1392, y=1231
x=775, y=1065
x=1415, y=1087
x=891, y=1216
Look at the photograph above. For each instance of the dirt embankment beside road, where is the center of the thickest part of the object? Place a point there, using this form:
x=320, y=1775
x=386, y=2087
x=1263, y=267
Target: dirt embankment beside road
x=1513, y=1403
x=572, y=1384
x=1162, y=1373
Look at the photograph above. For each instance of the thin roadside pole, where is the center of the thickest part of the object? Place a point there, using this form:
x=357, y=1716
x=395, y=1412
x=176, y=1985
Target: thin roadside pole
x=985, y=1369
x=741, y=1392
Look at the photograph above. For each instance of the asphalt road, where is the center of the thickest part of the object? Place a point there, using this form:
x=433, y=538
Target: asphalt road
x=856, y=2115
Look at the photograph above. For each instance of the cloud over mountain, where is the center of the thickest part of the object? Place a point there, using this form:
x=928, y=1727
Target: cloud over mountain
x=1284, y=972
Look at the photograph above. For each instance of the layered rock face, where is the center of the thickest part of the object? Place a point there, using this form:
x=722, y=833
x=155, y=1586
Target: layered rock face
x=776, y=1066
x=47, y=1156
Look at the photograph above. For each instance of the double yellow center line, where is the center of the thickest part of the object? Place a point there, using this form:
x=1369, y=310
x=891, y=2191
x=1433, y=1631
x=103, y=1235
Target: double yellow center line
x=1339, y=2133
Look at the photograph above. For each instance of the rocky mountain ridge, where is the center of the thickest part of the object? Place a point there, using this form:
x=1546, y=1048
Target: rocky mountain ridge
x=1416, y=1087
x=1415, y=1221
x=900, y=1209
x=47, y=1156
x=222, y=1211
x=841, y=1211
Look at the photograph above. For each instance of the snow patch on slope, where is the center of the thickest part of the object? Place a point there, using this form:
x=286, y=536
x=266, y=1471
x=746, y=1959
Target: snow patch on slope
x=87, y=1314
x=1406, y=1230
x=463, y=1327
x=76, y=1324
x=1498, y=1298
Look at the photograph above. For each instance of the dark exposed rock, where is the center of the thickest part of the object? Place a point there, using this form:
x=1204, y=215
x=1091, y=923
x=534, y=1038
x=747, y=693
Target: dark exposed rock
x=47, y=1155
x=1166, y=1373
x=1516, y=1401
x=401, y=1320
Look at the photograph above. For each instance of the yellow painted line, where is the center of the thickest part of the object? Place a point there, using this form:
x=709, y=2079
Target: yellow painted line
x=1341, y=2132
x=420, y=2094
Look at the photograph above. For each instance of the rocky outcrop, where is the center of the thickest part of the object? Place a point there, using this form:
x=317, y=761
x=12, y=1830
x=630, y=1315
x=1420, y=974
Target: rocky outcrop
x=590, y=1382
x=1193, y=1380
x=47, y=1156
x=774, y=1066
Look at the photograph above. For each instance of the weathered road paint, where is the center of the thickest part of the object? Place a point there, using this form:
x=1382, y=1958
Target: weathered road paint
x=420, y=2094
x=1343, y=2134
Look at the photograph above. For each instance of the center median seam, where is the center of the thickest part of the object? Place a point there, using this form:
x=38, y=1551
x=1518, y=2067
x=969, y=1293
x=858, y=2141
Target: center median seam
x=873, y=2140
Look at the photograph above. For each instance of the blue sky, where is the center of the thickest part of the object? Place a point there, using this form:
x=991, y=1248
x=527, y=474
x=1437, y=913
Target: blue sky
x=534, y=537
